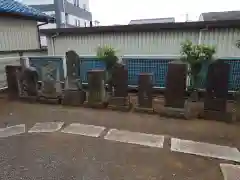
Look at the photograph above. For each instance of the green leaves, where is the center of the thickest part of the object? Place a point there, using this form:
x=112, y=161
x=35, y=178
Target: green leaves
x=195, y=56
x=107, y=54
x=192, y=54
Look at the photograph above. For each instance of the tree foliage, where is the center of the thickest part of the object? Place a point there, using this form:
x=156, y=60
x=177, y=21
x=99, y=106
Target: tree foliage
x=107, y=54
x=195, y=56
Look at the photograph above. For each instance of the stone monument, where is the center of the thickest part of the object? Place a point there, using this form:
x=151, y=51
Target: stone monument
x=96, y=87
x=215, y=104
x=51, y=88
x=12, y=81
x=175, y=90
x=73, y=93
x=27, y=81
x=119, y=99
x=145, y=93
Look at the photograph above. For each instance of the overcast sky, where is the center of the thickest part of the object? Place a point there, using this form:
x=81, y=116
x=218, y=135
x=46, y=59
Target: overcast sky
x=122, y=11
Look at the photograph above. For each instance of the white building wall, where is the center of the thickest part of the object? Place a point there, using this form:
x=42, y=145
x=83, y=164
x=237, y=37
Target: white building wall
x=36, y=2
x=224, y=40
x=147, y=43
x=74, y=20
x=84, y=4
x=18, y=34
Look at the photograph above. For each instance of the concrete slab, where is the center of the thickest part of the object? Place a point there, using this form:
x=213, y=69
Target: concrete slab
x=205, y=149
x=135, y=138
x=12, y=130
x=84, y=130
x=46, y=127
x=230, y=172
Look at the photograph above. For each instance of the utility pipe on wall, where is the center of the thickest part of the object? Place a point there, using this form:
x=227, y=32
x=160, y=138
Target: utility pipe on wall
x=53, y=44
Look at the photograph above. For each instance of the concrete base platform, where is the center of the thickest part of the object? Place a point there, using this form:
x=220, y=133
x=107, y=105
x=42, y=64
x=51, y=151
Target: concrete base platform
x=73, y=97
x=125, y=108
x=218, y=116
x=173, y=112
x=29, y=99
x=101, y=105
x=44, y=100
x=144, y=110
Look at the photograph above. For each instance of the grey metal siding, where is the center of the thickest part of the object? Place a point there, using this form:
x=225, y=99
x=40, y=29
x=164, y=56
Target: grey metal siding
x=18, y=34
x=149, y=43
x=224, y=40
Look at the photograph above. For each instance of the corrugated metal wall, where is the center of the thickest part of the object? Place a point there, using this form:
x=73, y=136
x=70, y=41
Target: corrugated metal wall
x=148, y=43
x=18, y=34
x=224, y=40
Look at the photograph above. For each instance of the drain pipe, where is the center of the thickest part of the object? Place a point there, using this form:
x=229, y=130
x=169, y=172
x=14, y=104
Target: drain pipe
x=39, y=39
x=53, y=43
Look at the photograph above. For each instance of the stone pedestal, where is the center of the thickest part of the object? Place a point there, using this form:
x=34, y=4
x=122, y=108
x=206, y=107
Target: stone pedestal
x=120, y=103
x=73, y=97
x=145, y=93
x=50, y=93
x=218, y=115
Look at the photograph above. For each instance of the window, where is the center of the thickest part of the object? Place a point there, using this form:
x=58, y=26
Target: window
x=79, y=23
x=85, y=24
x=84, y=6
x=76, y=22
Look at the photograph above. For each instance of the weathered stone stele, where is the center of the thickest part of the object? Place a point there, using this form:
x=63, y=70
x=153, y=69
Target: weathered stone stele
x=215, y=104
x=73, y=93
x=145, y=93
x=73, y=62
x=175, y=91
x=145, y=90
x=12, y=81
x=175, y=85
x=119, y=86
x=51, y=88
x=96, y=86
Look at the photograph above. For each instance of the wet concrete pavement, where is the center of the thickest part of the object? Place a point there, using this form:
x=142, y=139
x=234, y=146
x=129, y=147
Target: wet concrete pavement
x=198, y=130
x=58, y=155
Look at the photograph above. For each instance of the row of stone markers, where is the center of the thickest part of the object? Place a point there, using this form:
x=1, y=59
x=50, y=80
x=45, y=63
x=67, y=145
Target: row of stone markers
x=23, y=83
x=215, y=100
